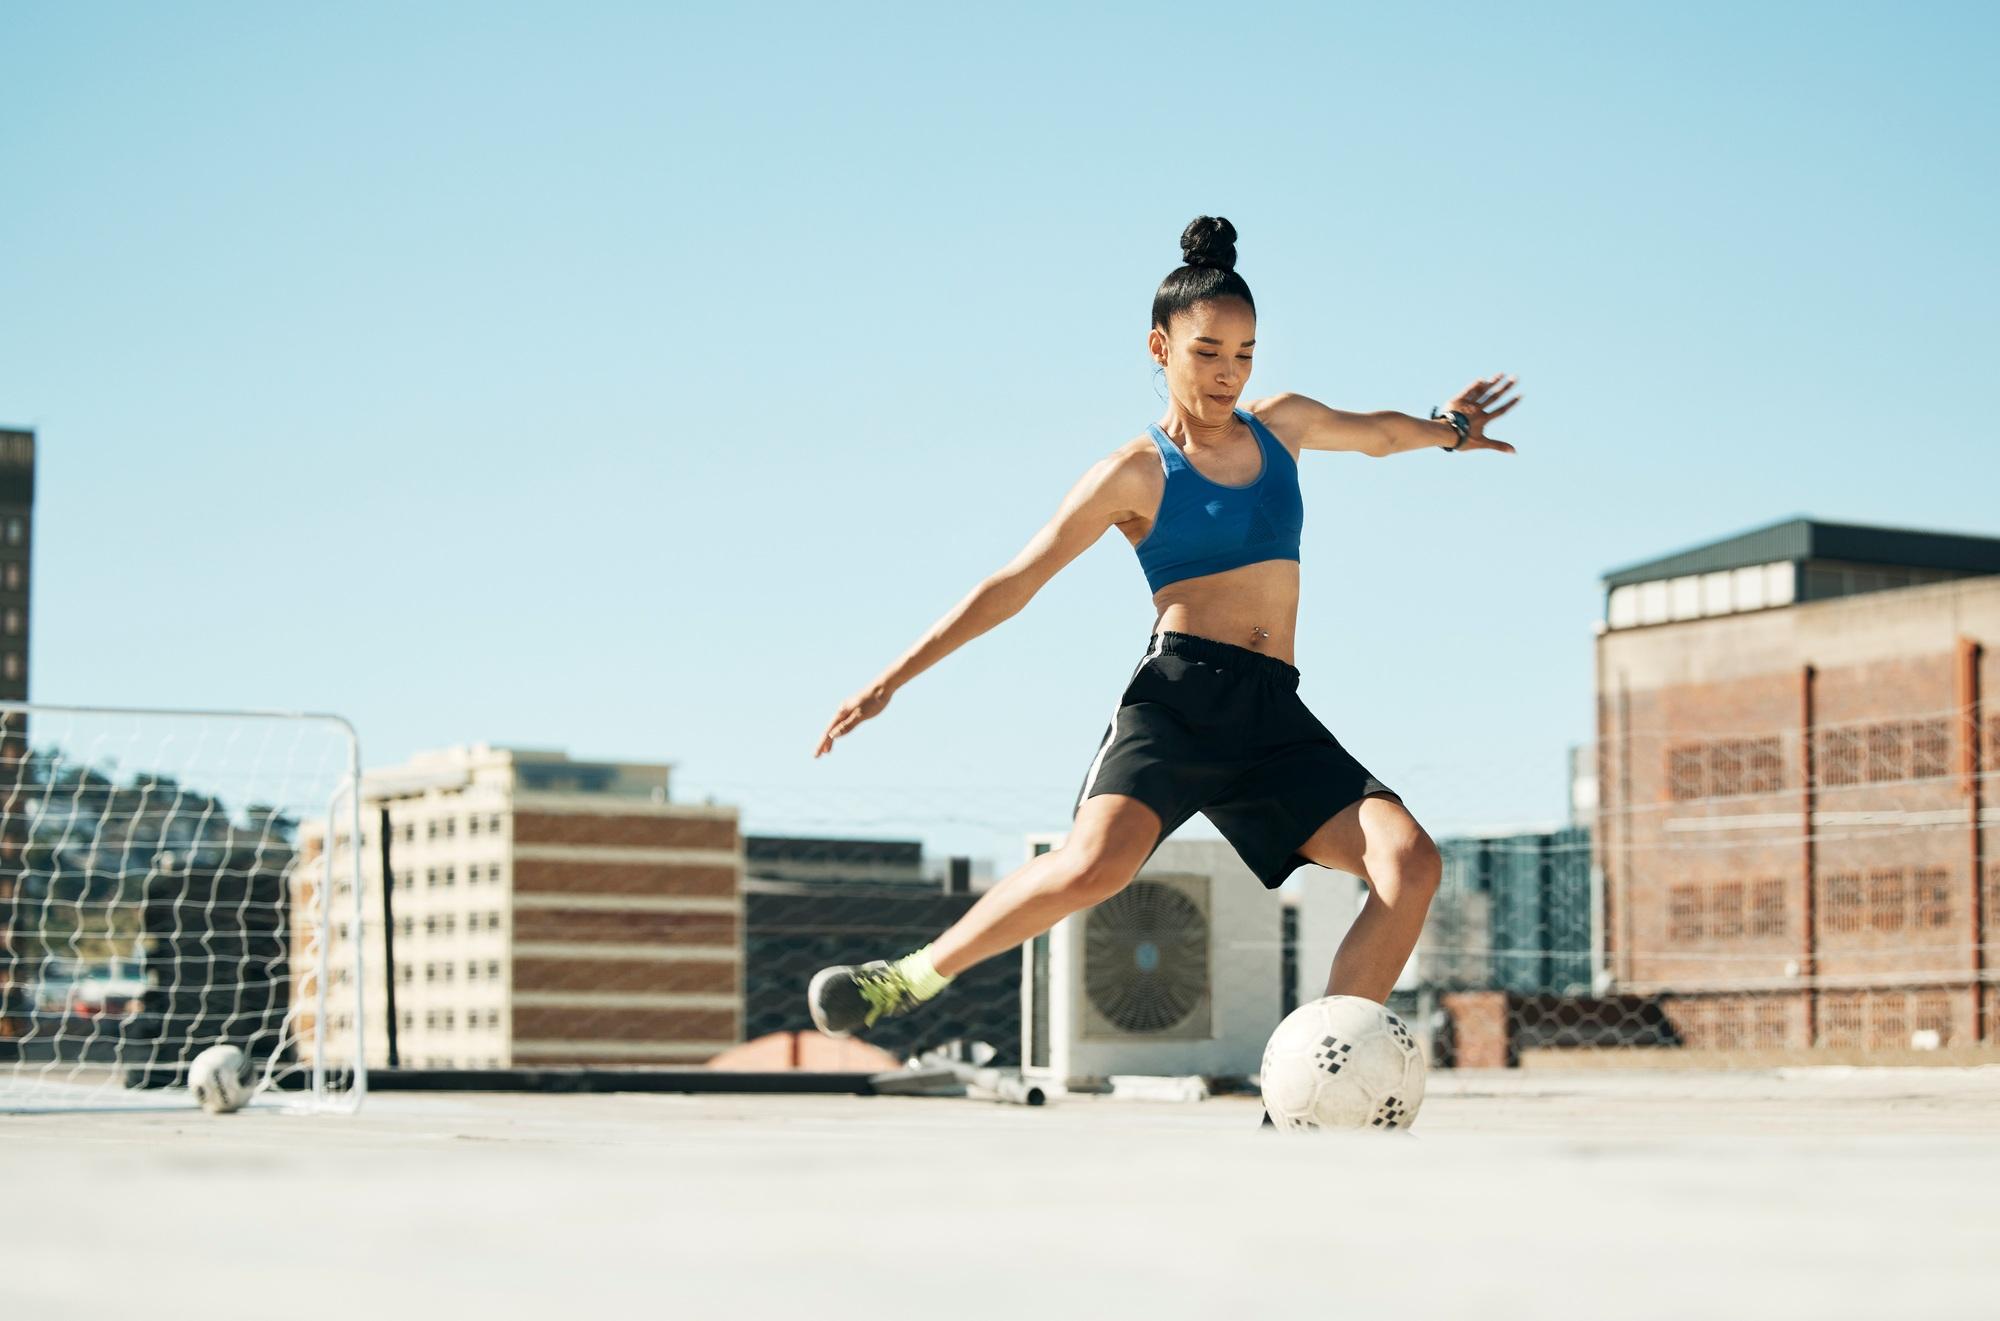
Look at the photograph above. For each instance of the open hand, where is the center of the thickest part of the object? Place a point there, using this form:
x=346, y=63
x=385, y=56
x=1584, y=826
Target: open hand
x=1477, y=401
x=864, y=705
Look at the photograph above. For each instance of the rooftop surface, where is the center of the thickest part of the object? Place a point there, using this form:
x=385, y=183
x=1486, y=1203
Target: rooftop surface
x=1784, y=1193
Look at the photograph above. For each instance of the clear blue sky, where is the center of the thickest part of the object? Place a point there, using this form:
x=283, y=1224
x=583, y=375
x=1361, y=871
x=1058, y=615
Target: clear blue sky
x=641, y=381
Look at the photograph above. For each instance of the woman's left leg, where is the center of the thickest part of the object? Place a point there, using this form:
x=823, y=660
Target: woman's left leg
x=1378, y=840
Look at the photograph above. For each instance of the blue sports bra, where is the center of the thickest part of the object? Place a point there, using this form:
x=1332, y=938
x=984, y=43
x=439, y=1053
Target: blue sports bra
x=1205, y=527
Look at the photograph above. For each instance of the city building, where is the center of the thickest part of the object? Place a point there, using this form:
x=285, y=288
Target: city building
x=1512, y=913
x=810, y=903
x=1796, y=821
x=544, y=912
x=17, y=511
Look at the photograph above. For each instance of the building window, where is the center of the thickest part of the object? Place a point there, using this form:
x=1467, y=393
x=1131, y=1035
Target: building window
x=450, y=923
x=15, y=575
x=1843, y=902
x=1885, y=899
x=1930, y=749
x=1725, y=767
x=431, y=925
x=13, y=620
x=430, y=972
x=1684, y=772
x=1888, y=1021
x=430, y=830
x=1684, y=914
x=1727, y=1027
x=1767, y=908
x=450, y=876
x=1766, y=769
x=1842, y=1025
x=1840, y=757
x=451, y=827
x=17, y=530
x=1933, y=886
x=493, y=968
x=1888, y=752
x=493, y=872
x=1770, y=1024
x=11, y=665
x=472, y=825
x=1725, y=914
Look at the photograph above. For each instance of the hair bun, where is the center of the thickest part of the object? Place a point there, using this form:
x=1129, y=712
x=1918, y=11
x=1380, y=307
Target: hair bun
x=1209, y=241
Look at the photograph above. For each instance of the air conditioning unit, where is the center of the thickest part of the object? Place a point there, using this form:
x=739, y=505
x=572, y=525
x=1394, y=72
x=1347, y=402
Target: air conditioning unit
x=1176, y=974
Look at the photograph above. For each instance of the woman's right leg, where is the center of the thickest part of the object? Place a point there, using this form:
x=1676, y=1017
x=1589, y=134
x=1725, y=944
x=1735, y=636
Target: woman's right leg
x=1108, y=842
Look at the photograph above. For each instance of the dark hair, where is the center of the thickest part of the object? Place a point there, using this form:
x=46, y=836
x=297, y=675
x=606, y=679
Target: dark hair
x=1209, y=246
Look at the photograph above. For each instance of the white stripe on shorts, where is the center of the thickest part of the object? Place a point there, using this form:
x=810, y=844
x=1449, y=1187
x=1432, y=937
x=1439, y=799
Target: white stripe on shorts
x=1111, y=737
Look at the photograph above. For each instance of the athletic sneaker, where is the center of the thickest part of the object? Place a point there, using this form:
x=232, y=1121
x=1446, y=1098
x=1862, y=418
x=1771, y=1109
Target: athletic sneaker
x=845, y=998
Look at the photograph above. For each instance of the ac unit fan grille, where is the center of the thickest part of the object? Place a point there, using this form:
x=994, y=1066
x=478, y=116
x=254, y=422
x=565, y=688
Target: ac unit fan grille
x=1145, y=964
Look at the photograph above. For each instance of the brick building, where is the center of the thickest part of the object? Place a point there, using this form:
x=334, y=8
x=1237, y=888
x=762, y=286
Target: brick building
x=1797, y=834
x=545, y=911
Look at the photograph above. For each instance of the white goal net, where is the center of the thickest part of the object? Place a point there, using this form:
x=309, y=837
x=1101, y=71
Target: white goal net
x=158, y=897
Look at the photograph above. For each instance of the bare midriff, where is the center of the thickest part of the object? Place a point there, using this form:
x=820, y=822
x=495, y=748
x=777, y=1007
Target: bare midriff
x=1255, y=607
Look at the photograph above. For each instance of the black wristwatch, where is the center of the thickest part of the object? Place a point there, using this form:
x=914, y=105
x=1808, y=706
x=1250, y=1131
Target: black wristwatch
x=1459, y=423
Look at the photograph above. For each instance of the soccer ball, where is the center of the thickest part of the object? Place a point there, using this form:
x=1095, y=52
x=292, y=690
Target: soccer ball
x=1343, y=1062
x=216, y=1079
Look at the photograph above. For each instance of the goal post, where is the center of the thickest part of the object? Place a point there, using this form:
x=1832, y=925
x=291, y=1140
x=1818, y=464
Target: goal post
x=173, y=880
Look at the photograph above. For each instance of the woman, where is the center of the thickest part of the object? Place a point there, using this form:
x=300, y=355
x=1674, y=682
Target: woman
x=1211, y=720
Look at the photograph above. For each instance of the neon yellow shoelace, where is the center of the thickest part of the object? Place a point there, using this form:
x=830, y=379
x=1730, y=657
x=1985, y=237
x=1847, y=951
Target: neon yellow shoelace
x=884, y=989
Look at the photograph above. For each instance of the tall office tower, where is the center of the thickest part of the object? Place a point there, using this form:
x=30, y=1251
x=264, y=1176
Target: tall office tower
x=17, y=504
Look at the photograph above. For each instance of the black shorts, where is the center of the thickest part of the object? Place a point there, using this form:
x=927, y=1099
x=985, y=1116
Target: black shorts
x=1210, y=727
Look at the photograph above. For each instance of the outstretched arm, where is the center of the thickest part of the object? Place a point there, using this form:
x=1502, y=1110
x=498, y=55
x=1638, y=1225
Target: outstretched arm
x=1311, y=425
x=1098, y=496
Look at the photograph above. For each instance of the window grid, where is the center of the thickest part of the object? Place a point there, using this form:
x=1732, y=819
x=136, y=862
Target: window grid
x=1933, y=886
x=1726, y=911
x=1886, y=899
x=1767, y=908
x=1843, y=901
